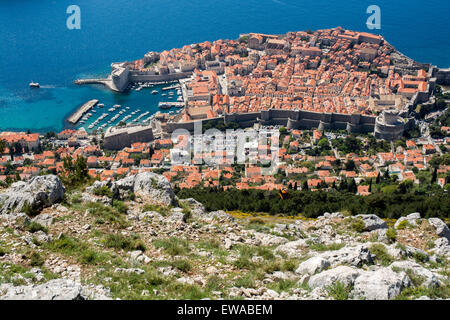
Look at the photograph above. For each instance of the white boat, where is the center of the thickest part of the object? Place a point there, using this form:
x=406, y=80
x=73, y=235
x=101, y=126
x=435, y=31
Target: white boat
x=155, y=92
x=34, y=85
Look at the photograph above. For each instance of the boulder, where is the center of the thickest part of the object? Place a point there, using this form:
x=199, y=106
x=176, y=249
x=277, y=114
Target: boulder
x=39, y=192
x=355, y=256
x=269, y=240
x=411, y=218
x=343, y=274
x=293, y=249
x=381, y=284
x=196, y=207
x=150, y=186
x=58, y=289
x=441, y=228
x=372, y=222
x=43, y=219
x=442, y=247
x=313, y=265
x=428, y=277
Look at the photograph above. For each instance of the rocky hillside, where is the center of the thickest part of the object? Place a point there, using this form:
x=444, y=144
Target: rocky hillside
x=132, y=239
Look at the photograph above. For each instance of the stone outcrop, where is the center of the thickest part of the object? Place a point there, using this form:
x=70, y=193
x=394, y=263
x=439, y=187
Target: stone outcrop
x=313, y=265
x=382, y=284
x=410, y=218
x=372, y=222
x=355, y=256
x=343, y=274
x=150, y=186
x=58, y=289
x=37, y=193
x=441, y=228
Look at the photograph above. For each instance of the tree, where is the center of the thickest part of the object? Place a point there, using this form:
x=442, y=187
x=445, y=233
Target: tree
x=377, y=181
x=2, y=146
x=434, y=176
x=305, y=185
x=386, y=174
x=350, y=165
x=76, y=172
x=370, y=185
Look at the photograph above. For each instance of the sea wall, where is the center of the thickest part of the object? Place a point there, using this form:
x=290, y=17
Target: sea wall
x=292, y=119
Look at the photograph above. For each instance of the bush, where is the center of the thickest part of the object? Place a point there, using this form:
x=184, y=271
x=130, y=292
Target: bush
x=381, y=254
x=103, y=191
x=403, y=225
x=182, y=265
x=172, y=246
x=338, y=291
x=358, y=225
x=118, y=241
x=36, y=260
x=34, y=227
x=120, y=206
x=391, y=235
x=164, y=211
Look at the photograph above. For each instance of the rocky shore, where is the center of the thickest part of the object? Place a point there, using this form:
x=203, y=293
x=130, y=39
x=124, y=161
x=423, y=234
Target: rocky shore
x=133, y=239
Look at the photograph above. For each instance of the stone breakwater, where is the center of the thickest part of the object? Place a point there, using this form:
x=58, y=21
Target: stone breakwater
x=133, y=239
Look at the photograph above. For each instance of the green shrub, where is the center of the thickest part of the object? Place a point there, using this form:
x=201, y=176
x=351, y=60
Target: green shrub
x=391, y=235
x=182, y=265
x=403, y=225
x=420, y=256
x=381, y=254
x=172, y=246
x=34, y=227
x=36, y=260
x=120, y=206
x=118, y=241
x=103, y=191
x=358, y=225
x=338, y=291
x=164, y=211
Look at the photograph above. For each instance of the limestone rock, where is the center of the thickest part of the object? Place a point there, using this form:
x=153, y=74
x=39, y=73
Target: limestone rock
x=43, y=219
x=58, y=289
x=355, y=256
x=313, y=265
x=39, y=192
x=382, y=284
x=293, y=249
x=441, y=228
x=343, y=274
x=429, y=278
x=411, y=218
x=372, y=222
x=150, y=186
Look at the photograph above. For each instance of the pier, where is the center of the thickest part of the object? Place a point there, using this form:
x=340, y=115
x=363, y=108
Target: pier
x=74, y=118
x=170, y=104
x=176, y=86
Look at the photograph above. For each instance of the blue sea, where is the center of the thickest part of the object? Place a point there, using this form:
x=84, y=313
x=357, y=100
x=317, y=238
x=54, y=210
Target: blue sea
x=36, y=45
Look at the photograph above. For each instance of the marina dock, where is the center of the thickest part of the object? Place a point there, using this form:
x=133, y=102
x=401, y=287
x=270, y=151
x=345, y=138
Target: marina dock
x=169, y=104
x=176, y=86
x=74, y=118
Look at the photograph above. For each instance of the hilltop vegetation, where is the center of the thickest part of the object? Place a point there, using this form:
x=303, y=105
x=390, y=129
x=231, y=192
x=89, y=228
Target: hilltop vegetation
x=313, y=204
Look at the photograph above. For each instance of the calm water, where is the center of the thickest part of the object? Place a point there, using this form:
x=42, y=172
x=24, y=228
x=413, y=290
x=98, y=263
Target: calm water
x=35, y=44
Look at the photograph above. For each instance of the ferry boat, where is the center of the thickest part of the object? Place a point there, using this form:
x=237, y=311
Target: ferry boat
x=34, y=85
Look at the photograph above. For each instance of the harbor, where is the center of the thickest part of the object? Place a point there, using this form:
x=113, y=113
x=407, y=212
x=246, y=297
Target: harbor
x=102, y=115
